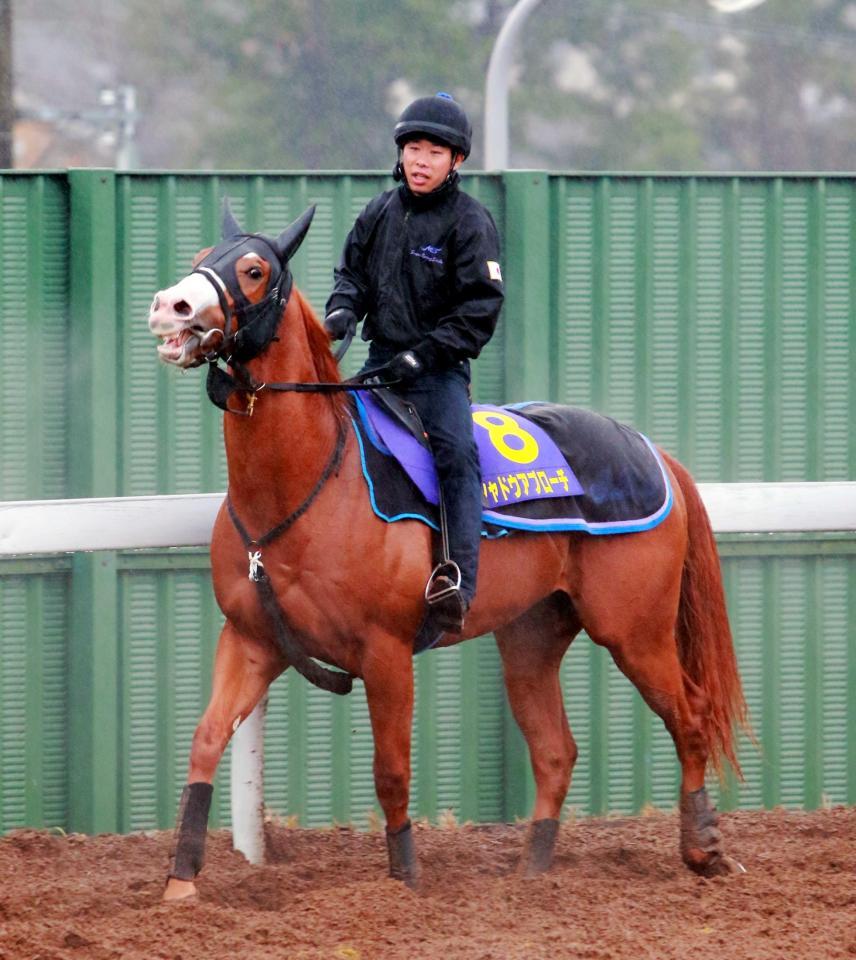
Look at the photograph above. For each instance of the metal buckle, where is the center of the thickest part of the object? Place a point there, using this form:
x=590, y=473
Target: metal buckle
x=256, y=566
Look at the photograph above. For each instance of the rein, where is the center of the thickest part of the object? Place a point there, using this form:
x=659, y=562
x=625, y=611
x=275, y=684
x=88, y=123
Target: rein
x=254, y=336
x=221, y=385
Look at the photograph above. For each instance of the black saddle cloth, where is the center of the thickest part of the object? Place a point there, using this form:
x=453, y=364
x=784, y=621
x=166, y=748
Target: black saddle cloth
x=624, y=481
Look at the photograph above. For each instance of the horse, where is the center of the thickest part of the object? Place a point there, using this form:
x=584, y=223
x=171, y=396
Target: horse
x=306, y=575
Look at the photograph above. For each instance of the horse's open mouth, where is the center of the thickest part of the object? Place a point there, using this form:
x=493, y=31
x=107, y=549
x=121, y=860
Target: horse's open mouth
x=179, y=347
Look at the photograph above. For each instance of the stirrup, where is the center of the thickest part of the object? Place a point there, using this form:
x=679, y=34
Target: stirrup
x=445, y=581
x=446, y=605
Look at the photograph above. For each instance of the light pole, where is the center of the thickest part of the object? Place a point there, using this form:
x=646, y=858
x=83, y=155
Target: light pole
x=120, y=108
x=496, y=87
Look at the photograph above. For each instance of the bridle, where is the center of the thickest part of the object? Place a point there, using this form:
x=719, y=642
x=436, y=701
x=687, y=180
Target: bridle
x=240, y=343
x=256, y=332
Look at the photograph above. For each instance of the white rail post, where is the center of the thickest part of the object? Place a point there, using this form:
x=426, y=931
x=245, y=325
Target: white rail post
x=248, y=800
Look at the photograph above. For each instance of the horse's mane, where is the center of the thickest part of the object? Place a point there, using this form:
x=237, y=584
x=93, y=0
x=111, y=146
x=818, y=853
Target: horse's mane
x=326, y=368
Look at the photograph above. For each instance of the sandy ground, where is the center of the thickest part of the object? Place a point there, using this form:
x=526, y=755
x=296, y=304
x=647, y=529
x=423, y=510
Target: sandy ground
x=617, y=890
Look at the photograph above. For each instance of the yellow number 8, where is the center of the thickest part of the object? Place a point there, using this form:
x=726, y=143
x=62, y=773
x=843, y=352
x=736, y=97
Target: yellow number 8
x=500, y=426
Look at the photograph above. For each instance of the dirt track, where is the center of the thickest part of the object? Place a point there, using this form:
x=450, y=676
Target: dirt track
x=617, y=890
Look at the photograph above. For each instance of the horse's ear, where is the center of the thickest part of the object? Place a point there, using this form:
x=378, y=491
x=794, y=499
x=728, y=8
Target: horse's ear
x=288, y=242
x=200, y=257
x=231, y=227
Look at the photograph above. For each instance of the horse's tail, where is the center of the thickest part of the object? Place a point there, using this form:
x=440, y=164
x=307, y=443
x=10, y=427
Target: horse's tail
x=705, y=644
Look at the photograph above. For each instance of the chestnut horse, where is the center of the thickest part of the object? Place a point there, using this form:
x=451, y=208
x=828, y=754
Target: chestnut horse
x=303, y=569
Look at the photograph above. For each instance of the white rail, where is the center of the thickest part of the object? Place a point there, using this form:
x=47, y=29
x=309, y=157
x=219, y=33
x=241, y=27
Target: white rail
x=121, y=523
x=126, y=523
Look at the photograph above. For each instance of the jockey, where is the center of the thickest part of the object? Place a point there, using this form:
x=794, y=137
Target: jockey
x=421, y=267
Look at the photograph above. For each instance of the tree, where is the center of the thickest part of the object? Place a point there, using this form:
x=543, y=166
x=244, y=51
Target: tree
x=304, y=84
x=670, y=86
x=598, y=85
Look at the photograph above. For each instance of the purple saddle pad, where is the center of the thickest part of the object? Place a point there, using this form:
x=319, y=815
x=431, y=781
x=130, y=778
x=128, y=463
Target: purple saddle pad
x=519, y=460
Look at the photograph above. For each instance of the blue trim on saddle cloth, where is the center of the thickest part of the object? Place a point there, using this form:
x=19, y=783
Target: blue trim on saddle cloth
x=375, y=440
x=369, y=427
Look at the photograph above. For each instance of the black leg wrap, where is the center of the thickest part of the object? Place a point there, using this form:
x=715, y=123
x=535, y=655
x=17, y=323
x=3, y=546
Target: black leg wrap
x=700, y=837
x=538, y=856
x=403, y=864
x=191, y=825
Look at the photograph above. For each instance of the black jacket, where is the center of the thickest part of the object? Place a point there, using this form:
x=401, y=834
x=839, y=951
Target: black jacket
x=424, y=271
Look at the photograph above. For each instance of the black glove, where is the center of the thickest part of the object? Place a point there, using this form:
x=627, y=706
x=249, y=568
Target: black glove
x=341, y=322
x=404, y=368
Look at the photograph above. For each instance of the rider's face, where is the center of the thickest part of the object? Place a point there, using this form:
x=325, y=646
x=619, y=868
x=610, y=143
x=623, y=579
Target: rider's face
x=427, y=164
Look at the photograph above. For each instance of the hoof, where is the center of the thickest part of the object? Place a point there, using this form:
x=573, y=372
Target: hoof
x=178, y=890
x=403, y=862
x=718, y=865
x=538, y=854
x=701, y=841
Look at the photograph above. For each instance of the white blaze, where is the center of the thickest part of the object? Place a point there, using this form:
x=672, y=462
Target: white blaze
x=194, y=290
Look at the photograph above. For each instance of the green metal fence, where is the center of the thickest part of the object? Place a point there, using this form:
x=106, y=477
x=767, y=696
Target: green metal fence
x=718, y=314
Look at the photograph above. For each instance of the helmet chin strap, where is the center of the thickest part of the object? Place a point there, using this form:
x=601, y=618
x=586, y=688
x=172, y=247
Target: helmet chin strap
x=452, y=168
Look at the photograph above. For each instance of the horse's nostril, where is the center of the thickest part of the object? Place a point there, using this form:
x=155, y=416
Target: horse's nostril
x=183, y=308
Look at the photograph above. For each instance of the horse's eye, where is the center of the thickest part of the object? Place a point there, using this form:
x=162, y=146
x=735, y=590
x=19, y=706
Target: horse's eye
x=254, y=273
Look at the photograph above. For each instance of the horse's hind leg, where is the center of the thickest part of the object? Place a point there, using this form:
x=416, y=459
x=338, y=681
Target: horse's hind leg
x=242, y=673
x=649, y=658
x=532, y=648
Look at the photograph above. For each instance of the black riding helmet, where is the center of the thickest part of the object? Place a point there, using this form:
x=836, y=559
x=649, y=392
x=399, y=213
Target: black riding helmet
x=436, y=118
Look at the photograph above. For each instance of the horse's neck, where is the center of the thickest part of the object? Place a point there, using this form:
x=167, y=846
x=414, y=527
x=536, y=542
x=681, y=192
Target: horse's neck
x=276, y=456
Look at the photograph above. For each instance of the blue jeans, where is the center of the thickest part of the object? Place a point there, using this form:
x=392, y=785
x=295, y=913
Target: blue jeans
x=443, y=403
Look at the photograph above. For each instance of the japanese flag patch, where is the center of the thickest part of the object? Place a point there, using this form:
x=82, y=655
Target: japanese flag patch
x=493, y=270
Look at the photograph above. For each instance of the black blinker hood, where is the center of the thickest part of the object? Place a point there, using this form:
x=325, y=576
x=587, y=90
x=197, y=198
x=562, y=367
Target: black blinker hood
x=259, y=321
x=223, y=260
x=254, y=337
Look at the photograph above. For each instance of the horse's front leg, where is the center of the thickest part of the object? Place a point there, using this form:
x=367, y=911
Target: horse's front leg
x=243, y=671
x=388, y=676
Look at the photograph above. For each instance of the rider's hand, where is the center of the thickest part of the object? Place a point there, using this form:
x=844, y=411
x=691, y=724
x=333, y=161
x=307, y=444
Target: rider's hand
x=404, y=368
x=341, y=322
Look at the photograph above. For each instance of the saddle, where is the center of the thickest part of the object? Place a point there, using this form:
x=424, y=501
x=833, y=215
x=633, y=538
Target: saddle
x=403, y=413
